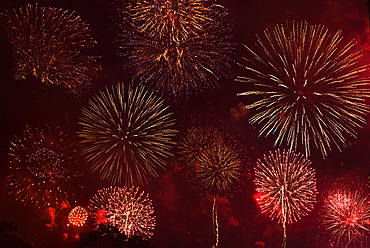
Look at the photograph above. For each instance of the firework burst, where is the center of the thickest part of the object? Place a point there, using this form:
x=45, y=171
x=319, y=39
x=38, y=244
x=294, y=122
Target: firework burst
x=127, y=134
x=177, y=46
x=346, y=214
x=43, y=166
x=194, y=140
x=128, y=209
x=311, y=86
x=219, y=167
x=212, y=157
x=78, y=216
x=48, y=44
x=286, y=186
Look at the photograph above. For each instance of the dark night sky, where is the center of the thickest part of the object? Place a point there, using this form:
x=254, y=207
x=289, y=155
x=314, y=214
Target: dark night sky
x=184, y=216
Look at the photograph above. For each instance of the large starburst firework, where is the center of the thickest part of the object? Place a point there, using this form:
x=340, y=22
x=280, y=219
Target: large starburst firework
x=346, y=215
x=177, y=46
x=286, y=186
x=49, y=44
x=128, y=209
x=127, y=134
x=310, y=84
x=44, y=164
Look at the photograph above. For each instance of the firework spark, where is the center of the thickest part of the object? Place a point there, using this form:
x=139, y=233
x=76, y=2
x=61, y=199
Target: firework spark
x=346, y=214
x=127, y=134
x=48, y=45
x=311, y=84
x=43, y=166
x=286, y=186
x=128, y=209
x=78, y=216
x=177, y=46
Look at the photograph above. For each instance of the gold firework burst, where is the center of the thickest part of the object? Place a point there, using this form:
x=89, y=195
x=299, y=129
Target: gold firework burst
x=311, y=87
x=127, y=134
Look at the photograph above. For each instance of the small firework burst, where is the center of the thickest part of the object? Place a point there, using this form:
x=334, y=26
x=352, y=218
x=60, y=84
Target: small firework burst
x=78, y=216
x=48, y=44
x=286, y=186
x=346, y=214
x=177, y=46
x=214, y=160
x=128, y=209
x=310, y=84
x=127, y=133
x=43, y=167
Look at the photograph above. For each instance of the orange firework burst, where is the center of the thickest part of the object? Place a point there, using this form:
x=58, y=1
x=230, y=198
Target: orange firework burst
x=48, y=44
x=286, y=186
x=78, y=216
x=310, y=87
x=219, y=167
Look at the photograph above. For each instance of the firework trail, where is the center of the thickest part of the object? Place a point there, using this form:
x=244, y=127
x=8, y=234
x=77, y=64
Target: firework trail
x=213, y=158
